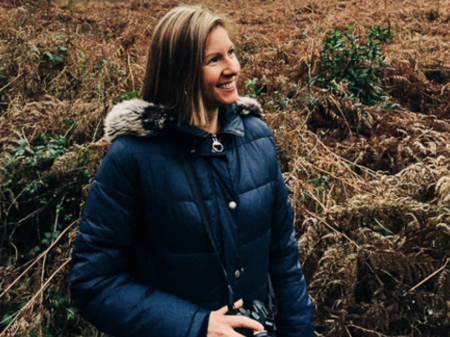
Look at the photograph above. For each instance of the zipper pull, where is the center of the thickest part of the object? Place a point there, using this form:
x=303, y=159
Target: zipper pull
x=217, y=146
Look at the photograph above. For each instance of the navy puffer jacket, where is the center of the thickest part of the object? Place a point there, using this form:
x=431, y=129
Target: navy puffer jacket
x=142, y=263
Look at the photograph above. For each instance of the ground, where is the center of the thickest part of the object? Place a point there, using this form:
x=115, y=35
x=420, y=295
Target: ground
x=369, y=181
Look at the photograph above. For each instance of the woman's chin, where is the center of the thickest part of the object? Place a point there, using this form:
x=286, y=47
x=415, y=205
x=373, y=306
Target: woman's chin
x=230, y=100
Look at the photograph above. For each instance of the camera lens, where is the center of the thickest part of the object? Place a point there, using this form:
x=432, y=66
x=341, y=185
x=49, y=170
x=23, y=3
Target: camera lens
x=263, y=333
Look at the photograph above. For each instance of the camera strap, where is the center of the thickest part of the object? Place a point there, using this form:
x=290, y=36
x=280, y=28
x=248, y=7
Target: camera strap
x=205, y=220
x=272, y=303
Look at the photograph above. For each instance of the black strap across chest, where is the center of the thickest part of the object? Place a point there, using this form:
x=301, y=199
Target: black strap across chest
x=187, y=167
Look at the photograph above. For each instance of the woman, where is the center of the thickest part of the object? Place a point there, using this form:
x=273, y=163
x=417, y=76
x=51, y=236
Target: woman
x=143, y=264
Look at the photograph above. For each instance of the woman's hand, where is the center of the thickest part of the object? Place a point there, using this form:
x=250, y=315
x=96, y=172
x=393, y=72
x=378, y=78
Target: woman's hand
x=222, y=325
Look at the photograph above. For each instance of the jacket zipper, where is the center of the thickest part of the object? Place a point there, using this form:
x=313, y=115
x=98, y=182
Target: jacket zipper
x=217, y=146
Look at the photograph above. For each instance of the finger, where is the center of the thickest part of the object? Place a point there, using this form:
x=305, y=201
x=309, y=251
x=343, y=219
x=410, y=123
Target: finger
x=245, y=322
x=224, y=309
x=238, y=304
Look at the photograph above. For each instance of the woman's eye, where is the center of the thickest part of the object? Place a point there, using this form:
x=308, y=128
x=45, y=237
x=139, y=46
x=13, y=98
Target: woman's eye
x=231, y=52
x=213, y=60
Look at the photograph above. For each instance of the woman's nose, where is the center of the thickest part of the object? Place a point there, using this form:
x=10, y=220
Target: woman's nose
x=232, y=67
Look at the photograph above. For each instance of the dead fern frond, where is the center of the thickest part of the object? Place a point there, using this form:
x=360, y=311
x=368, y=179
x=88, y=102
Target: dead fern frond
x=398, y=80
x=443, y=191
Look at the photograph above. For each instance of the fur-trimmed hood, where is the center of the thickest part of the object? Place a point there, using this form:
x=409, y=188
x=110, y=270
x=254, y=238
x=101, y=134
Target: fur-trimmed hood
x=143, y=119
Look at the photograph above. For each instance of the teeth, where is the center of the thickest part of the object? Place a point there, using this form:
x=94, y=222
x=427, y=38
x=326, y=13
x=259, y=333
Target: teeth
x=226, y=85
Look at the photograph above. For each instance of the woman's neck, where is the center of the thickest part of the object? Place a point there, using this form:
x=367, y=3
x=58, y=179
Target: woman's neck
x=213, y=123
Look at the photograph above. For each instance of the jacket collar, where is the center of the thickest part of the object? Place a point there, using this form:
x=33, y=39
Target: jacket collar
x=144, y=119
x=229, y=123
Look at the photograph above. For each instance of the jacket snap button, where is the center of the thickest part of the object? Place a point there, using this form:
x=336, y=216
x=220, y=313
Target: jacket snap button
x=232, y=205
x=237, y=274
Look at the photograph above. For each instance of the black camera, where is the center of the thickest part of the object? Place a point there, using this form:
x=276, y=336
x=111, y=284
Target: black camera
x=260, y=313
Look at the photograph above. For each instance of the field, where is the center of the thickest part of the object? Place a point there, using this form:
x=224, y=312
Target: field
x=356, y=92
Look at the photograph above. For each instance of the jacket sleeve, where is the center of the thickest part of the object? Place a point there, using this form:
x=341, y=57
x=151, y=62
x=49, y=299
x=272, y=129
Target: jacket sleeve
x=295, y=312
x=102, y=289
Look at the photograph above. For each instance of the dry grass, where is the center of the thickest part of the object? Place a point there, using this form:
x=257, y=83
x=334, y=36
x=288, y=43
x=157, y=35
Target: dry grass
x=371, y=197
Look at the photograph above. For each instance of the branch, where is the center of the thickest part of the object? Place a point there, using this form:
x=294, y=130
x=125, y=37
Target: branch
x=427, y=278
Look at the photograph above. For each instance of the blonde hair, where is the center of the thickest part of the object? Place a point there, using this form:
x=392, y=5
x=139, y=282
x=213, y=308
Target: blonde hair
x=173, y=76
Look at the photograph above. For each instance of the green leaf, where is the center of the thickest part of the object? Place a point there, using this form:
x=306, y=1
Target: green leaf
x=284, y=101
x=71, y=122
x=270, y=107
x=35, y=250
x=47, y=57
x=62, y=141
x=71, y=313
x=313, y=102
x=126, y=96
x=7, y=318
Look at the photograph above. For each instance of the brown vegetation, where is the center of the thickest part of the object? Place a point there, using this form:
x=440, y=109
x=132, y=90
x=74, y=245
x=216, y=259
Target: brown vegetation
x=370, y=186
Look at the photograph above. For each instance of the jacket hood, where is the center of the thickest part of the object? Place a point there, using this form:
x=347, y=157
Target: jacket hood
x=139, y=118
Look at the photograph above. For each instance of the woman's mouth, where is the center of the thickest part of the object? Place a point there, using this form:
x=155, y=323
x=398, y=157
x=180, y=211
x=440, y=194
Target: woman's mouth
x=226, y=85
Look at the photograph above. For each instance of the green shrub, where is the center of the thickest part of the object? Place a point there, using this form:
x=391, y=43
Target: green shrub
x=126, y=97
x=42, y=183
x=31, y=159
x=55, y=56
x=255, y=90
x=348, y=67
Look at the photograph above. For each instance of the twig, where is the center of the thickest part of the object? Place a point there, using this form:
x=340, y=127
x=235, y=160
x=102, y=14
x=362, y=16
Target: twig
x=43, y=287
x=294, y=14
x=312, y=195
x=38, y=258
x=348, y=331
x=343, y=181
x=131, y=72
x=6, y=86
x=59, y=75
x=373, y=272
x=55, y=225
x=14, y=201
x=311, y=63
x=350, y=240
x=336, y=104
x=362, y=168
x=384, y=228
x=32, y=213
x=41, y=299
x=96, y=129
x=332, y=228
x=386, y=15
x=331, y=175
x=16, y=250
x=427, y=278
x=444, y=87
x=306, y=120
x=368, y=331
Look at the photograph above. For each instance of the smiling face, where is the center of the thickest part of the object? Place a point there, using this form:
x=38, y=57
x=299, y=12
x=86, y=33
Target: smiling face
x=220, y=70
